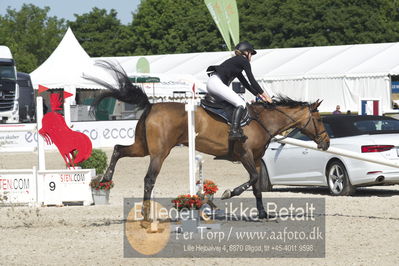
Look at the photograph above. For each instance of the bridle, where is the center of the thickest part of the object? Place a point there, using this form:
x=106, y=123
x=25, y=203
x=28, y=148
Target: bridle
x=318, y=135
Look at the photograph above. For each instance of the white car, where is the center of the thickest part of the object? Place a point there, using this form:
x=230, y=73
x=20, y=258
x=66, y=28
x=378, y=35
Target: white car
x=374, y=136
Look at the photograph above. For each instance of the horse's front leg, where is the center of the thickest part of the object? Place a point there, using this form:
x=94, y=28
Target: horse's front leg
x=256, y=189
x=149, y=181
x=247, y=161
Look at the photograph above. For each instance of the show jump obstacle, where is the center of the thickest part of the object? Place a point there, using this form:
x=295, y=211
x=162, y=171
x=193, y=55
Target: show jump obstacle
x=194, y=161
x=38, y=186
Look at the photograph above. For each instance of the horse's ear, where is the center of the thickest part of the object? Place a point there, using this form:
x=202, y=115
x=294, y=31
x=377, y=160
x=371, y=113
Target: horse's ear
x=316, y=104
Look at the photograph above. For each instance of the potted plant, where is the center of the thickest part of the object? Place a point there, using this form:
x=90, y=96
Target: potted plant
x=188, y=207
x=97, y=160
x=100, y=191
x=187, y=202
x=209, y=188
x=207, y=192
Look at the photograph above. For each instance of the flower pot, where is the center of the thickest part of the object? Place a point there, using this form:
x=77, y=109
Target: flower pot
x=100, y=197
x=191, y=223
x=210, y=197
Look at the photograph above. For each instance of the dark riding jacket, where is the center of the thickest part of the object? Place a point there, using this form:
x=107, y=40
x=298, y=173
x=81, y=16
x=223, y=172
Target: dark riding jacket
x=232, y=68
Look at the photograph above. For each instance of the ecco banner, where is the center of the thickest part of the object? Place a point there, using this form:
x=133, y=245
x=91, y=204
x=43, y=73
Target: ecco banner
x=101, y=133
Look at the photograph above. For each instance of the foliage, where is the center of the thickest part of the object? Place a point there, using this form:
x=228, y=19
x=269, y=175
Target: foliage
x=187, y=202
x=293, y=23
x=183, y=26
x=97, y=185
x=101, y=33
x=31, y=35
x=178, y=26
x=97, y=160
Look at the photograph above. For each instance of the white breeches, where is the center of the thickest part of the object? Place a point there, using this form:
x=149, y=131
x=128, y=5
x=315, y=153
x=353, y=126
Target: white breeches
x=217, y=88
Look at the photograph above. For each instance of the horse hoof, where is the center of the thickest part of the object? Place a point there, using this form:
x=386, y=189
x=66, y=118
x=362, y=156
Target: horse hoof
x=98, y=178
x=264, y=215
x=226, y=194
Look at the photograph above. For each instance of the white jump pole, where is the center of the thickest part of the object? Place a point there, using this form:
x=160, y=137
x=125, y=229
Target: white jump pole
x=346, y=153
x=40, y=140
x=190, y=107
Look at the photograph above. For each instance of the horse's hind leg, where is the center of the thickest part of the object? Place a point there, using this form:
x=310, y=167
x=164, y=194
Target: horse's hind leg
x=120, y=151
x=154, y=168
x=137, y=149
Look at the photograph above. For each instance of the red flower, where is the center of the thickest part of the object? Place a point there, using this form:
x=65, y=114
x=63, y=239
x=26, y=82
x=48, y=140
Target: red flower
x=102, y=185
x=210, y=187
x=187, y=201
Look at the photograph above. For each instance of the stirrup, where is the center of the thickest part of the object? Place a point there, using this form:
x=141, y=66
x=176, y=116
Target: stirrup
x=237, y=136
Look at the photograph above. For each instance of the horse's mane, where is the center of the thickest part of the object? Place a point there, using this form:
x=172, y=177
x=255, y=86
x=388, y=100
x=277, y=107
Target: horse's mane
x=282, y=100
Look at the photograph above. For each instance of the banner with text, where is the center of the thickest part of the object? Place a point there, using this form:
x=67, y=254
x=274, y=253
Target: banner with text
x=102, y=134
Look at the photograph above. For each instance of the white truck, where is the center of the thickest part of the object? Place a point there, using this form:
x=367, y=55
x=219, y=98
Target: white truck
x=9, y=89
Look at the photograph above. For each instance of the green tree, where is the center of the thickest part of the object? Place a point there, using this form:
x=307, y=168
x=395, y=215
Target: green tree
x=293, y=23
x=31, y=35
x=174, y=26
x=101, y=33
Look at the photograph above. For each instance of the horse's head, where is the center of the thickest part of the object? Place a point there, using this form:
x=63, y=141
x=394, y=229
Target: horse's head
x=313, y=127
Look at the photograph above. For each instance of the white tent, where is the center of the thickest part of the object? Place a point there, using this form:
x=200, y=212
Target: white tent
x=65, y=67
x=337, y=74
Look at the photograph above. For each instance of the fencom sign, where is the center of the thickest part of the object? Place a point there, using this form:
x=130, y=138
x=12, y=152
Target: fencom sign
x=18, y=186
x=69, y=185
x=295, y=228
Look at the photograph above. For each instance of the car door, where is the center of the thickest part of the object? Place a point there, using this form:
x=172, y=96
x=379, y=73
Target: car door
x=294, y=165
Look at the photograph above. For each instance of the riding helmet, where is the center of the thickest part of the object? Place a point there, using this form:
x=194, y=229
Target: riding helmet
x=245, y=46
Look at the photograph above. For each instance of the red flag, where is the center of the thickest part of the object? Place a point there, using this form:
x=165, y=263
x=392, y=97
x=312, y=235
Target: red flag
x=193, y=88
x=42, y=89
x=67, y=94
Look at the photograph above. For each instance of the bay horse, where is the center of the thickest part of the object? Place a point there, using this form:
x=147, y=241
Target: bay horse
x=162, y=126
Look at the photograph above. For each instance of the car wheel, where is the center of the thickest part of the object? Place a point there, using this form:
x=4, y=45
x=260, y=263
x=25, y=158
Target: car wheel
x=264, y=180
x=338, y=180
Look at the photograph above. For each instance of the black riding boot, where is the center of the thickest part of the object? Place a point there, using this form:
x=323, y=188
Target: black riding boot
x=236, y=132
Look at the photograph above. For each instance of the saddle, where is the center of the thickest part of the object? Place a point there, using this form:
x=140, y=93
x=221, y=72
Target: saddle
x=223, y=109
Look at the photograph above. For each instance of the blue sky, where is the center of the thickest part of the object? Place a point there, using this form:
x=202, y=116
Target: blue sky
x=66, y=8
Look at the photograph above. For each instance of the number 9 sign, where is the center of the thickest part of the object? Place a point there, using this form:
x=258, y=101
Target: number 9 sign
x=52, y=185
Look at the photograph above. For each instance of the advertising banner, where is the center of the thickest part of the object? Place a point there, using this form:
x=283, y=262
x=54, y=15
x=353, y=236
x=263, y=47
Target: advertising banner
x=103, y=134
x=18, y=186
x=216, y=8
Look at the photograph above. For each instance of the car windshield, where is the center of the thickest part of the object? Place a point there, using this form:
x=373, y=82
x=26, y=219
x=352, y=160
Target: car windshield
x=346, y=126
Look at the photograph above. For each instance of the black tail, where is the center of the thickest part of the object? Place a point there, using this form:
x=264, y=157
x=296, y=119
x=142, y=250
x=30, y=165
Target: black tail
x=125, y=91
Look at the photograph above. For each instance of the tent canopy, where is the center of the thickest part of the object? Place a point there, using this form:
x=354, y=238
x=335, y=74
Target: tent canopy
x=341, y=74
x=284, y=63
x=66, y=66
x=338, y=74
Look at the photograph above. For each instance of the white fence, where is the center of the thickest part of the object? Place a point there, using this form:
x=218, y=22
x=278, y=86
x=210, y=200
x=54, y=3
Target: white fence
x=41, y=186
x=350, y=154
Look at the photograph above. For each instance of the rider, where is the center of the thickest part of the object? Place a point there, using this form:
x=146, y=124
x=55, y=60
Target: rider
x=222, y=75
